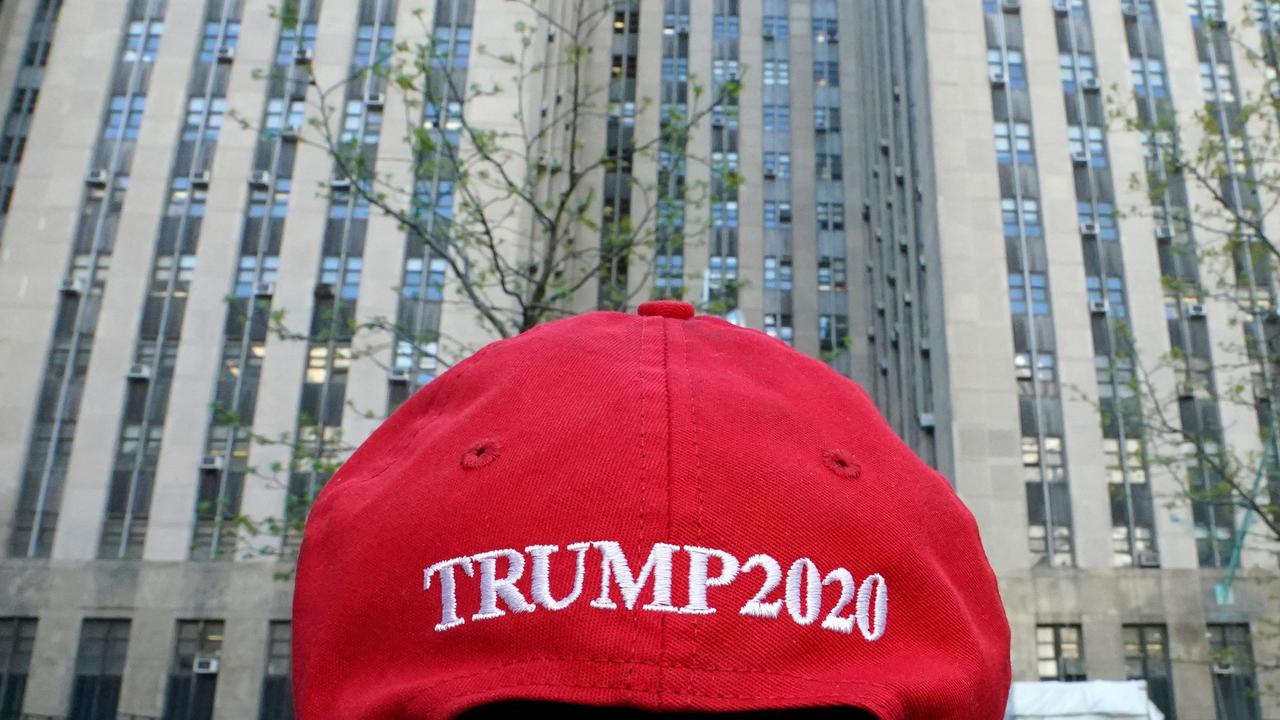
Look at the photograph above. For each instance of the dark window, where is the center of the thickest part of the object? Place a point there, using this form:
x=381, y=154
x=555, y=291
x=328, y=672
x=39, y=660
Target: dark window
x=99, y=667
x=277, y=694
x=193, y=677
x=1235, y=685
x=1059, y=652
x=1146, y=657
x=17, y=635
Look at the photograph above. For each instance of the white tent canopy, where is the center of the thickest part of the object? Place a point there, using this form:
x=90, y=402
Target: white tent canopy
x=1092, y=700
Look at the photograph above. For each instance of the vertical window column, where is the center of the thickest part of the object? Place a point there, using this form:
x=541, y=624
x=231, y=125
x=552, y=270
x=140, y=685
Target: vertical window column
x=193, y=675
x=99, y=669
x=17, y=638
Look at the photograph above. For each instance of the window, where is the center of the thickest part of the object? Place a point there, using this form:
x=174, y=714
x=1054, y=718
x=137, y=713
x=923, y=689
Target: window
x=725, y=27
x=1235, y=685
x=774, y=27
x=124, y=117
x=1215, y=80
x=193, y=677
x=830, y=216
x=204, y=118
x=828, y=166
x=1007, y=64
x=1048, y=500
x=1148, y=77
x=777, y=165
x=1028, y=293
x=779, y=326
x=725, y=161
x=668, y=272
x=832, y=274
x=1013, y=140
x=676, y=69
x=143, y=41
x=777, y=272
x=777, y=118
x=1109, y=291
x=776, y=72
x=99, y=668
x=277, y=693
x=1088, y=141
x=1101, y=216
x=1075, y=69
x=282, y=114
x=210, y=43
x=724, y=214
x=371, y=50
x=721, y=268
x=1146, y=657
x=825, y=30
x=1059, y=653
x=1038, y=379
x=1132, y=518
x=833, y=333
x=17, y=637
x=724, y=116
x=777, y=214
x=724, y=70
x=826, y=119
x=826, y=73
x=1020, y=217
x=293, y=38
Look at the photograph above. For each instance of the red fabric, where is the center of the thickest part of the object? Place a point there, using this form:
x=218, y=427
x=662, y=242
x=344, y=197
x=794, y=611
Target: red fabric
x=641, y=430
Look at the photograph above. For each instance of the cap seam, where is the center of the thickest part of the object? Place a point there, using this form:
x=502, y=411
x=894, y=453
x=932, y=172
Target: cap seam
x=893, y=694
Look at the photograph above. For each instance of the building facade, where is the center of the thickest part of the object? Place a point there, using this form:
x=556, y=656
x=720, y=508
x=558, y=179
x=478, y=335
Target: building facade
x=932, y=201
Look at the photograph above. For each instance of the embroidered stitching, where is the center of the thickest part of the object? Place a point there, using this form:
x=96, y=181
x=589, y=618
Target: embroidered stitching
x=448, y=591
x=540, y=578
x=491, y=588
x=699, y=582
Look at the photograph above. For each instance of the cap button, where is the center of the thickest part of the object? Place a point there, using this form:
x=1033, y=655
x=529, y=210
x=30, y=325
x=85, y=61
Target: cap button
x=666, y=308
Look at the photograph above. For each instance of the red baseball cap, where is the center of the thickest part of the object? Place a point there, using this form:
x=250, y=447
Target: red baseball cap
x=657, y=511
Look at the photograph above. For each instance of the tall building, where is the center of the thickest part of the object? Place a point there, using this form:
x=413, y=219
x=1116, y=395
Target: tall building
x=931, y=201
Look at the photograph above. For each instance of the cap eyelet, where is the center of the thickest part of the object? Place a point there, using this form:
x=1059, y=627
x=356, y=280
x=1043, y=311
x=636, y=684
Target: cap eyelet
x=842, y=463
x=480, y=454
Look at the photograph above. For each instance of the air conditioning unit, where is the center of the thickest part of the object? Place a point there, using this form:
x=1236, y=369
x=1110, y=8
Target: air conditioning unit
x=339, y=184
x=1088, y=229
x=1130, y=10
x=71, y=286
x=548, y=164
x=784, y=216
x=924, y=346
x=926, y=420
x=260, y=179
x=1079, y=157
x=1219, y=669
x=1213, y=19
x=398, y=375
x=303, y=56
x=324, y=290
x=768, y=34
x=375, y=101
x=1062, y=7
x=1149, y=559
x=1097, y=307
x=1195, y=310
x=717, y=121
x=289, y=133
x=1186, y=390
x=1164, y=232
x=212, y=463
x=1011, y=5
x=226, y=54
x=899, y=174
x=139, y=371
x=264, y=289
x=97, y=178
x=996, y=76
x=1090, y=85
x=884, y=145
x=201, y=179
x=871, y=333
x=204, y=665
x=770, y=174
